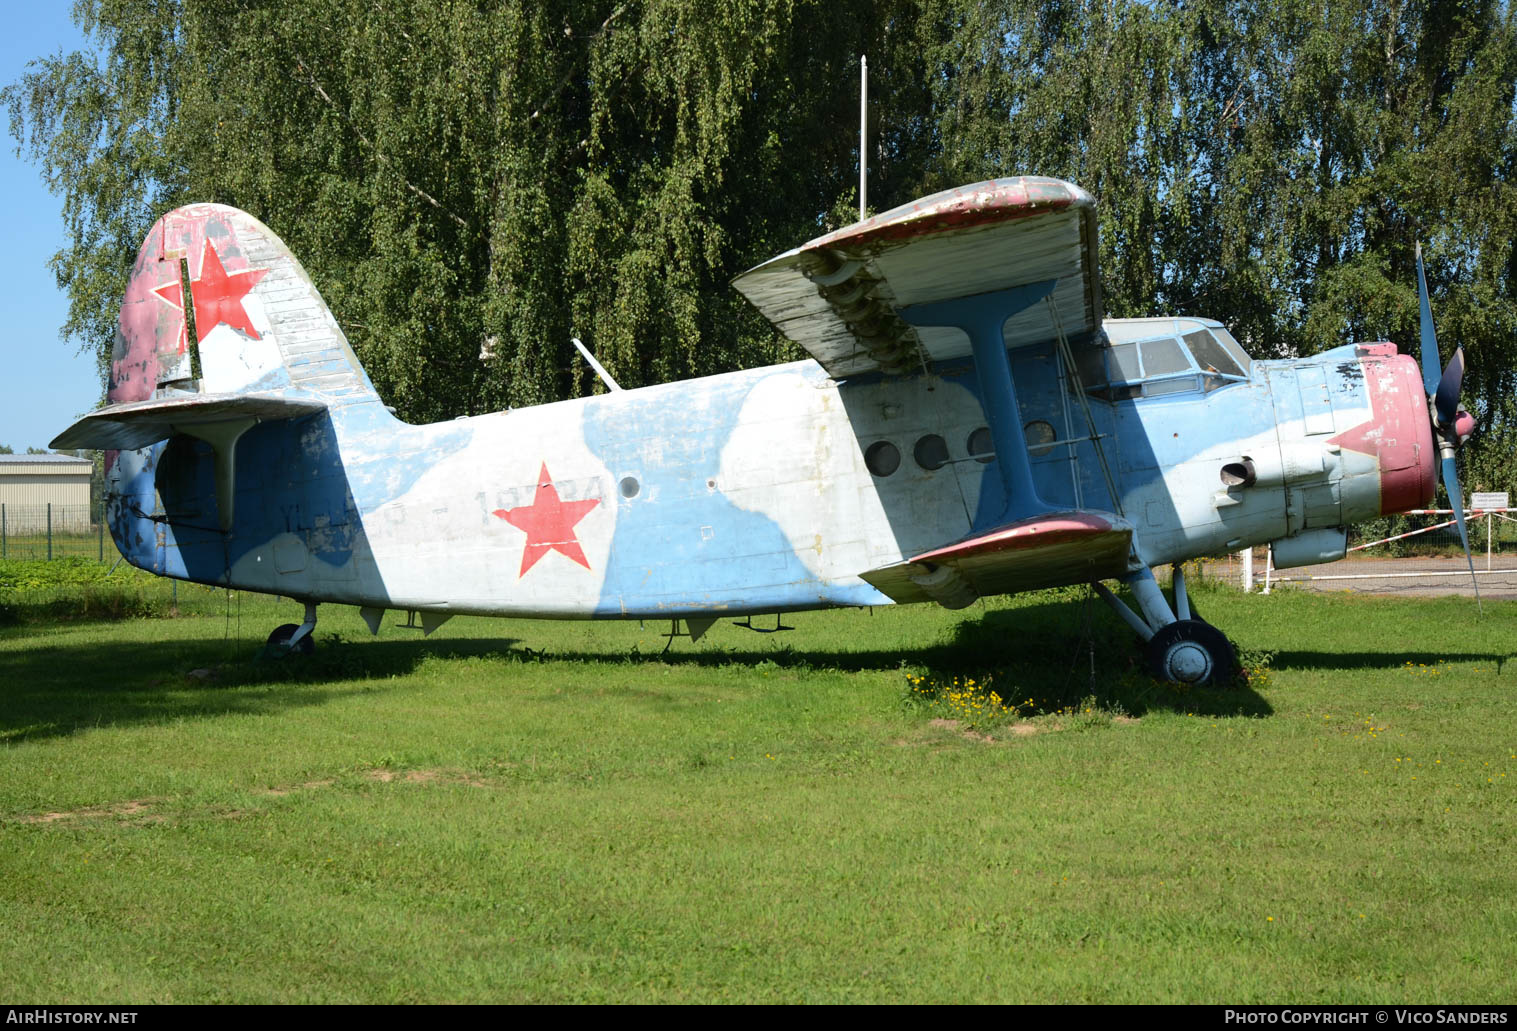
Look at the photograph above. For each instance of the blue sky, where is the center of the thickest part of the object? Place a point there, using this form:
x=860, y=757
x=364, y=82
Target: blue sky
x=50, y=383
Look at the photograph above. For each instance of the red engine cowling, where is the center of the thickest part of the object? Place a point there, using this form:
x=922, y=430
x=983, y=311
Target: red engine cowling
x=1399, y=433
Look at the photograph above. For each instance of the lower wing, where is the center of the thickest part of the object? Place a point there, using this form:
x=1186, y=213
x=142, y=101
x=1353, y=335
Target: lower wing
x=1048, y=550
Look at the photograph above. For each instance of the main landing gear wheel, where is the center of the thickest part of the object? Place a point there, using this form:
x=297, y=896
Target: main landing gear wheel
x=280, y=638
x=1191, y=652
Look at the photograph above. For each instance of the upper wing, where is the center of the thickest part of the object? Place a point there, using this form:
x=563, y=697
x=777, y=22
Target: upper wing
x=837, y=296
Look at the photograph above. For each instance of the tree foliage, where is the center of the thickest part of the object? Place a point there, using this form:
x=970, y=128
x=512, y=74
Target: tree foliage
x=471, y=183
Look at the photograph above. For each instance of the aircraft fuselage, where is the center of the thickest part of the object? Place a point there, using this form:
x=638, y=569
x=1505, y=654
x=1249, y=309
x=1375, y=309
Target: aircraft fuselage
x=753, y=491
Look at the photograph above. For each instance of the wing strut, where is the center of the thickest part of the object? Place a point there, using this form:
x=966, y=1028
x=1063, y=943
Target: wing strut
x=223, y=437
x=983, y=318
x=1079, y=391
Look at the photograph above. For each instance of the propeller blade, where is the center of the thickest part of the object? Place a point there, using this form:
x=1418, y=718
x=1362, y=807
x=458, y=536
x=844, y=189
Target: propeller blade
x=1446, y=401
x=1456, y=501
x=1430, y=360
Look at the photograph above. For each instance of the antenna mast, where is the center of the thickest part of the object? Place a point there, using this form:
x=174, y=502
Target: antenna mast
x=863, y=135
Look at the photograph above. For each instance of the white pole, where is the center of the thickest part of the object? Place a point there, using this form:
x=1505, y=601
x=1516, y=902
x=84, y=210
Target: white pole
x=1269, y=561
x=1248, y=570
x=863, y=135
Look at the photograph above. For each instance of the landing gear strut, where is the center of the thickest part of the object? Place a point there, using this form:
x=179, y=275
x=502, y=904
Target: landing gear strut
x=1184, y=650
x=296, y=638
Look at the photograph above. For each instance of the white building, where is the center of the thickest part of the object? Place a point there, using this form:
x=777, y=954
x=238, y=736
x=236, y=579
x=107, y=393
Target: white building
x=30, y=483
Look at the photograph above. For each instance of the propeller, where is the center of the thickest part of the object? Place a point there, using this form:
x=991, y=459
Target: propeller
x=1451, y=424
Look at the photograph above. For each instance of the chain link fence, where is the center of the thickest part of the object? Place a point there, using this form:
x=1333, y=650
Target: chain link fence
x=59, y=562
x=49, y=532
x=1412, y=552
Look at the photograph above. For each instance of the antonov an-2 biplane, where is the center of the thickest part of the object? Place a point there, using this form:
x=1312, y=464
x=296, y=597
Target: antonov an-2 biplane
x=969, y=425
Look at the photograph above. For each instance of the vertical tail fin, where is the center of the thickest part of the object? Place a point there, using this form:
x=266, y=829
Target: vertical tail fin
x=217, y=304
x=220, y=329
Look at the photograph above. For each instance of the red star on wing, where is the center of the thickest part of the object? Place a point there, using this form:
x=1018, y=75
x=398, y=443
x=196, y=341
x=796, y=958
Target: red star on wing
x=548, y=523
x=218, y=295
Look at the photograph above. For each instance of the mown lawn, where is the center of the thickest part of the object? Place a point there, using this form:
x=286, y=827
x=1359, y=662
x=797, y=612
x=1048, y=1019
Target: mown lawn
x=530, y=811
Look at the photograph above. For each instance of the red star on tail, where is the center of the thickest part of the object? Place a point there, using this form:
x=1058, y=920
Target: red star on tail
x=548, y=523
x=218, y=295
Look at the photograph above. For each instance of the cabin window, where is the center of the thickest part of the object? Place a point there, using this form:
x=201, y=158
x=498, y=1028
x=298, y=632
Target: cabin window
x=882, y=458
x=979, y=445
x=931, y=452
x=630, y=486
x=1040, y=437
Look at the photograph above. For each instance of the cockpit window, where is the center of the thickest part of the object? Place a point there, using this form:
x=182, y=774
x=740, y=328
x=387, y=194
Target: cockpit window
x=1169, y=386
x=1122, y=364
x=1163, y=356
x=1211, y=355
x=1233, y=348
x=1201, y=360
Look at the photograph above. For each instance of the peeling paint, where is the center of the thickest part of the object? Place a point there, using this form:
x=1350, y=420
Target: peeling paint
x=742, y=493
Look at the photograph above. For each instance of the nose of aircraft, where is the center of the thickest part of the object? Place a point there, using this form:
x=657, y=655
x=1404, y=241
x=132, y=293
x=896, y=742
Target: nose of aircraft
x=1409, y=462
x=1398, y=432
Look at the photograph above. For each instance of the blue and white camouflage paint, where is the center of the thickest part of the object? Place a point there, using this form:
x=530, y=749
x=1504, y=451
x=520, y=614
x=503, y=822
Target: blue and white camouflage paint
x=854, y=479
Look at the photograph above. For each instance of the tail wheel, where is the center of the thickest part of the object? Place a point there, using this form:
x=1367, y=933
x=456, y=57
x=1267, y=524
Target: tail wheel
x=280, y=638
x=1191, y=652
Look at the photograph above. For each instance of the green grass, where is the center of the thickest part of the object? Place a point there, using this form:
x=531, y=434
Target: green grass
x=77, y=587
x=531, y=811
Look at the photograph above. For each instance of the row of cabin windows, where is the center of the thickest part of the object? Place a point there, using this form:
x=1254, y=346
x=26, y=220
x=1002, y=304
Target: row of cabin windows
x=931, y=451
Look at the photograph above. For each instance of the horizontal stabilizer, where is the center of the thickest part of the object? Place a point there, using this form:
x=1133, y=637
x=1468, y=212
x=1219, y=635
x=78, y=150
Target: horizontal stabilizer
x=137, y=424
x=1048, y=550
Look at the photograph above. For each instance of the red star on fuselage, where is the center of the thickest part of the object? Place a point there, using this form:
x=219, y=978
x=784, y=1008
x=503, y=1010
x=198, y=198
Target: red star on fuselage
x=548, y=523
x=218, y=295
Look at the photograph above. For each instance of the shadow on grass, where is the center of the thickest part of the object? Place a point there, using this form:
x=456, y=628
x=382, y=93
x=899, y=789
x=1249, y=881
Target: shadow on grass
x=1041, y=651
x=1059, y=653
x=57, y=690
